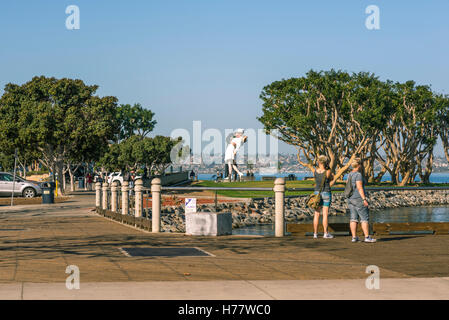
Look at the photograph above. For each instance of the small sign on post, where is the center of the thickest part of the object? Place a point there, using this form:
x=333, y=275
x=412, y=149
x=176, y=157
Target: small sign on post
x=190, y=205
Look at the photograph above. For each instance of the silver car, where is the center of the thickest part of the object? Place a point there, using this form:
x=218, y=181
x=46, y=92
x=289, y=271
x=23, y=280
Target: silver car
x=22, y=187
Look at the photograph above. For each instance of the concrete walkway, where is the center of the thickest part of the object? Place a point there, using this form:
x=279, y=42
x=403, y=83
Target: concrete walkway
x=38, y=243
x=413, y=288
x=75, y=205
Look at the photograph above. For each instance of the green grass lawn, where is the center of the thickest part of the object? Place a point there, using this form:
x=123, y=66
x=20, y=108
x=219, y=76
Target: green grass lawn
x=255, y=184
x=270, y=184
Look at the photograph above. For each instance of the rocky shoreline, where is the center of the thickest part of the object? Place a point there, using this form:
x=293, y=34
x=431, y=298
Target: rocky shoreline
x=261, y=211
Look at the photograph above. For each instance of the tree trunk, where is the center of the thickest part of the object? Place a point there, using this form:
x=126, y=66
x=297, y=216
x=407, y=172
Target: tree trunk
x=406, y=178
x=428, y=169
x=72, y=181
x=59, y=166
x=63, y=179
x=369, y=171
x=379, y=176
x=445, y=146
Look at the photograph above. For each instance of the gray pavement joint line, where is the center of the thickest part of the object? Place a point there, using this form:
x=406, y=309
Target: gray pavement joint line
x=259, y=288
x=214, y=261
x=295, y=261
x=16, y=255
x=21, y=290
x=445, y=279
x=104, y=252
x=160, y=259
x=406, y=275
x=275, y=269
x=59, y=245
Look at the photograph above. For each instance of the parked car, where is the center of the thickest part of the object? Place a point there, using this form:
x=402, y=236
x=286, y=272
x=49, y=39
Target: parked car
x=115, y=176
x=118, y=176
x=22, y=187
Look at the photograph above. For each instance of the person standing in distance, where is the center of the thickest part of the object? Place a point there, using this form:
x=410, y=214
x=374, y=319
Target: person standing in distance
x=357, y=202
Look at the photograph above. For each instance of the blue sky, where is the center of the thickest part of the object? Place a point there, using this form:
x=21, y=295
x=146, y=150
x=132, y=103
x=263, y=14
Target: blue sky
x=209, y=60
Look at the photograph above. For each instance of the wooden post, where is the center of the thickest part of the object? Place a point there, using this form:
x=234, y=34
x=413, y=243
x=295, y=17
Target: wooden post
x=279, y=193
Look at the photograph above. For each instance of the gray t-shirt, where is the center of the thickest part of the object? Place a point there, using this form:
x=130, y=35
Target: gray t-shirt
x=356, y=176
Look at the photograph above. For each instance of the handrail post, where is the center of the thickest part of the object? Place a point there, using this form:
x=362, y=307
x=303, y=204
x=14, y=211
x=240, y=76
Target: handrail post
x=98, y=194
x=156, y=189
x=105, y=195
x=279, y=194
x=114, y=193
x=125, y=198
x=138, y=198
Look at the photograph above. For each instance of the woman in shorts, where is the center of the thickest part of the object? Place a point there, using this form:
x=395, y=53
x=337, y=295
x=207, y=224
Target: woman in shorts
x=323, y=172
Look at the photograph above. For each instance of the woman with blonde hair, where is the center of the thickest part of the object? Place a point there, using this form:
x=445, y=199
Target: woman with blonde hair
x=357, y=201
x=323, y=177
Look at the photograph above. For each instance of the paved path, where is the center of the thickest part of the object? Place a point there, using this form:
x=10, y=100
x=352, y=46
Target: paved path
x=37, y=244
x=414, y=288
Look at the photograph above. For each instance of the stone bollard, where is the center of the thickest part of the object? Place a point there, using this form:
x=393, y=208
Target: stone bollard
x=125, y=198
x=98, y=194
x=156, y=205
x=279, y=193
x=105, y=196
x=114, y=196
x=138, y=207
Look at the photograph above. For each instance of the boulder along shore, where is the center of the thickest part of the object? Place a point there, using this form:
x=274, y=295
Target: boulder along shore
x=261, y=211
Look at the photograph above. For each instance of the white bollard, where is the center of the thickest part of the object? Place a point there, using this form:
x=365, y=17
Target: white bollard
x=125, y=198
x=105, y=196
x=138, y=198
x=156, y=189
x=98, y=194
x=114, y=196
x=279, y=193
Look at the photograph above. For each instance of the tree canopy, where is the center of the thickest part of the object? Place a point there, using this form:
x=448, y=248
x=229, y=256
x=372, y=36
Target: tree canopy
x=344, y=116
x=134, y=120
x=137, y=152
x=59, y=118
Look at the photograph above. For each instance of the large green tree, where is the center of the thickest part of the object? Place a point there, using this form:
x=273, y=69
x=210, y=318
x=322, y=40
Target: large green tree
x=443, y=122
x=410, y=133
x=137, y=152
x=332, y=113
x=59, y=118
x=134, y=120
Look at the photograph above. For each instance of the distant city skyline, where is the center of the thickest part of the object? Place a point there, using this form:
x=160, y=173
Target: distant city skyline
x=209, y=60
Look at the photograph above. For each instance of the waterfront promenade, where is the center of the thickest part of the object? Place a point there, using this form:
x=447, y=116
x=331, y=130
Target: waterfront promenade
x=39, y=242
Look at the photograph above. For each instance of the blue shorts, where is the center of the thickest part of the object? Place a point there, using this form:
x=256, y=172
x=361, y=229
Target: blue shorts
x=326, y=199
x=358, y=210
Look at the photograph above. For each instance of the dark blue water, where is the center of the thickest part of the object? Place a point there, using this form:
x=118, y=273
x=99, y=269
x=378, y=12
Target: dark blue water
x=438, y=177
x=415, y=214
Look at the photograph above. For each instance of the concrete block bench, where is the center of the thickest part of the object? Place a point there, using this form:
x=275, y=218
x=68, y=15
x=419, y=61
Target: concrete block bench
x=209, y=223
